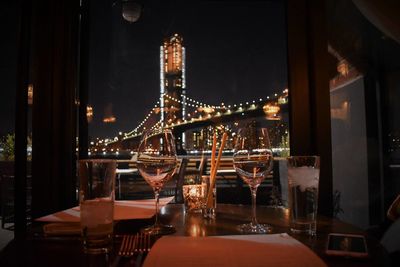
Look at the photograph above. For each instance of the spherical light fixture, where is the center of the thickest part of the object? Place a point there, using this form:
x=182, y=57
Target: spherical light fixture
x=131, y=10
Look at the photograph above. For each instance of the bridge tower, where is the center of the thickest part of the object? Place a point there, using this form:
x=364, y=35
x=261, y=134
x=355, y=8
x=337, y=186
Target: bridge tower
x=173, y=82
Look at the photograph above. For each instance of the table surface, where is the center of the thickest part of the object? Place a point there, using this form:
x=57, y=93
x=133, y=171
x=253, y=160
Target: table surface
x=38, y=250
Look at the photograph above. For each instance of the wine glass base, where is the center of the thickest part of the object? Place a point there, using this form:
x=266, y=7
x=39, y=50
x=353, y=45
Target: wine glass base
x=249, y=228
x=159, y=229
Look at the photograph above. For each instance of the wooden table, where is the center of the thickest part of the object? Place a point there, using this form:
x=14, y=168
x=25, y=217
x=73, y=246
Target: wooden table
x=41, y=251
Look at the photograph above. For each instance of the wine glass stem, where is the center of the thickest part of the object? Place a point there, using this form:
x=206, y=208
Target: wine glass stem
x=253, y=205
x=157, y=197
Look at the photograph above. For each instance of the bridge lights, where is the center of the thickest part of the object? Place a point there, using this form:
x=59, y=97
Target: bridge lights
x=271, y=110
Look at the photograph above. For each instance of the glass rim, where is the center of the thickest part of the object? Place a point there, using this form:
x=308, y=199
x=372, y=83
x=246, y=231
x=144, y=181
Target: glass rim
x=97, y=160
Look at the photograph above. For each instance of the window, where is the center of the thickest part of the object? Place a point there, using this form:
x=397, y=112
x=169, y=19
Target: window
x=364, y=89
x=213, y=60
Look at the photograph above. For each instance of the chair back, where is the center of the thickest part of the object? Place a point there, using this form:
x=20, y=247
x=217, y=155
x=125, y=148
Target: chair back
x=180, y=177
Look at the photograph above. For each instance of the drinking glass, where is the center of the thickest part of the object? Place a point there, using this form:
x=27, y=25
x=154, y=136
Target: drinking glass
x=96, y=201
x=157, y=164
x=303, y=181
x=253, y=161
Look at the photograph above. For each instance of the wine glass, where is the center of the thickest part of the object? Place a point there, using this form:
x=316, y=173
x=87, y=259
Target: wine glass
x=253, y=161
x=157, y=164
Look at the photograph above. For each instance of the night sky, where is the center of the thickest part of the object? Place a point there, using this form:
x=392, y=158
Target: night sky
x=235, y=52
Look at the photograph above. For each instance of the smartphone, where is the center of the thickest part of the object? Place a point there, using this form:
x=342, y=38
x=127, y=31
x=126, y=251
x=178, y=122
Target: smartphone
x=347, y=245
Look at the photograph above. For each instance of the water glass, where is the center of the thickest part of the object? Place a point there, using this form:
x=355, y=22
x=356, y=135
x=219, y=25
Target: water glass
x=96, y=201
x=303, y=178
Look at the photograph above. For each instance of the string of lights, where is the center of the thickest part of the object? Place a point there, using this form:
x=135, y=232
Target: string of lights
x=197, y=104
x=156, y=106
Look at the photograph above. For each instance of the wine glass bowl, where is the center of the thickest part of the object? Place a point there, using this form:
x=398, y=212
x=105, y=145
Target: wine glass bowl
x=156, y=172
x=157, y=164
x=253, y=160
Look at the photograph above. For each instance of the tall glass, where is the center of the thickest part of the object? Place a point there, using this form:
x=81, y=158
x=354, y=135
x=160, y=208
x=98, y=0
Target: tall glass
x=96, y=201
x=157, y=164
x=253, y=161
x=303, y=178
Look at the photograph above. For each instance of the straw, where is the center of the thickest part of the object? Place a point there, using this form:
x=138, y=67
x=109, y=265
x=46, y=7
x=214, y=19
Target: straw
x=214, y=148
x=214, y=172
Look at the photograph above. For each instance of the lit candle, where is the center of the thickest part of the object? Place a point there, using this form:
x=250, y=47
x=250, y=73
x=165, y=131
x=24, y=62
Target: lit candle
x=193, y=195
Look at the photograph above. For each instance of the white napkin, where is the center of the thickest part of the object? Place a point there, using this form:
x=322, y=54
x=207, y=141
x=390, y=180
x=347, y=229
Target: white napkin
x=123, y=210
x=230, y=251
x=62, y=229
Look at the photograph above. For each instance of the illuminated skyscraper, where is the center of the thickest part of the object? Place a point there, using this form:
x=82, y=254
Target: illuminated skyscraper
x=172, y=80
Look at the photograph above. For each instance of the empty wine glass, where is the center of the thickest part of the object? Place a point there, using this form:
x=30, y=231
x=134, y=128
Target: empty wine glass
x=253, y=161
x=157, y=164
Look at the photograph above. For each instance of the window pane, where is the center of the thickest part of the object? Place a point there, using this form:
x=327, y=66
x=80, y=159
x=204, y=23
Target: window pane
x=364, y=88
x=191, y=67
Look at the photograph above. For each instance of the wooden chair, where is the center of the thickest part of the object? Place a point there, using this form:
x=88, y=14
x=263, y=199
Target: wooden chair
x=7, y=200
x=226, y=174
x=232, y=189
x=174, y=186
x=180, y=177
x=195, y=167
x=229, y=184
x=125, y=168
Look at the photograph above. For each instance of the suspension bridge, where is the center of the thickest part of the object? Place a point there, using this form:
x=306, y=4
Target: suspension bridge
x=200, y=114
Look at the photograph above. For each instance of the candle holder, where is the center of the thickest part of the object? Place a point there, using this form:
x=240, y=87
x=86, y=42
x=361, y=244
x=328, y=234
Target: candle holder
x=193, y=195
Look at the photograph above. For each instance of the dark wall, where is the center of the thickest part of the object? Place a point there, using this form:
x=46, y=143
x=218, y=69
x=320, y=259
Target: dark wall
x=8, y=65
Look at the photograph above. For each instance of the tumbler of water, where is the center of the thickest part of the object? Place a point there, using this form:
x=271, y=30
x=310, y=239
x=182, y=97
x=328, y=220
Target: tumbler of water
x=303, y=178
x=96, y=199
